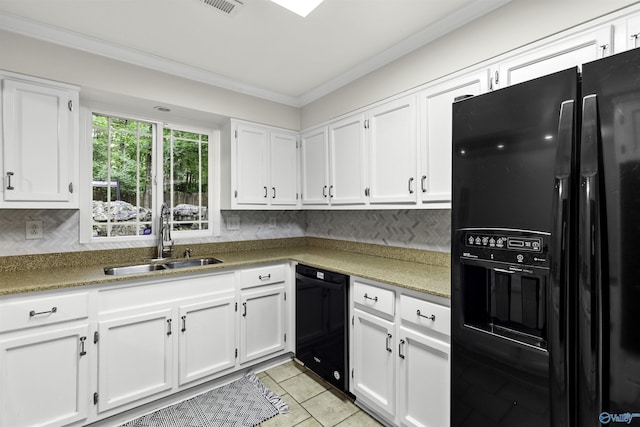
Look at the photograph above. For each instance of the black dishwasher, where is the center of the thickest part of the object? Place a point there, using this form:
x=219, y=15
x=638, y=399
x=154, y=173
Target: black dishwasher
x=321, y=323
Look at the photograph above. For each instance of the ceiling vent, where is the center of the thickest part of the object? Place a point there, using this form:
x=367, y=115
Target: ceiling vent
x=228, y=7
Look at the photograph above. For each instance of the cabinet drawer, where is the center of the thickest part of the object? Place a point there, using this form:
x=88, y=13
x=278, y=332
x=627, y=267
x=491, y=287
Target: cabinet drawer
x=374, y=298
x=262, y=276
x=38, y=311
x=425, y=314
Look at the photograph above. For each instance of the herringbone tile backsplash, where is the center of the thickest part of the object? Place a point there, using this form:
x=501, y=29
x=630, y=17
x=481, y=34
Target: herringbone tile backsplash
x=418, y=229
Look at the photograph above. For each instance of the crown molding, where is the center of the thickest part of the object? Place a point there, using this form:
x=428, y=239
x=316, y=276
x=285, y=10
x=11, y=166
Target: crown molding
x=450, y=23
x=70, y=39
x=73, y=40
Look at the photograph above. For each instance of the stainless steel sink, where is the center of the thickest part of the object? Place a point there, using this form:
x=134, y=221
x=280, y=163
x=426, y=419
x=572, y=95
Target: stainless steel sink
x=146, y=268
x=195, y=262
x=133, y=269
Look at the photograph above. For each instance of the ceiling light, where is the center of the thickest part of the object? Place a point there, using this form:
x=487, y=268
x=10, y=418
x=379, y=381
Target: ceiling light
x=162, y=108
x=300, y=7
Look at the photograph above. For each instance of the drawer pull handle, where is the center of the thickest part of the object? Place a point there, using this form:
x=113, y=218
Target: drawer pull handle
x=375, y=299
x=432, y=317
x=387, y=343
x=265, y=277
x=184, y=323
x=244, y=309
x=168, y=327
x=38, y=313
x=400, y=349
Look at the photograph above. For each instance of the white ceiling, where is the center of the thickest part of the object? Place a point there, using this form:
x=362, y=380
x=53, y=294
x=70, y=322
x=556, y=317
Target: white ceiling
x=263, y=50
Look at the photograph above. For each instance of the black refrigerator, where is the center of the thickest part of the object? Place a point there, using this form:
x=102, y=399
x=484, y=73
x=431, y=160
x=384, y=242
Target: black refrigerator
x=546, y=251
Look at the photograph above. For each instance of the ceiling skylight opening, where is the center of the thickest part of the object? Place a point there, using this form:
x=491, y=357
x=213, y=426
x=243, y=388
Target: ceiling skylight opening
x=300, y=7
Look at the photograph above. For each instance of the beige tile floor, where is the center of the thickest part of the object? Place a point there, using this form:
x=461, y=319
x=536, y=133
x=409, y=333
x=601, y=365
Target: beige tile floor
x=312, y=401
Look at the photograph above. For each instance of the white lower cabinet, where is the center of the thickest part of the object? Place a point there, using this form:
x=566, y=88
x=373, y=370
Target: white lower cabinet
x=207, y=338
x=44, y=359
x=45, y=377
x=423, y=395
x=262, y=323
x=134, y=357
x=263, y=312
x=374, y=361
x=400, y=355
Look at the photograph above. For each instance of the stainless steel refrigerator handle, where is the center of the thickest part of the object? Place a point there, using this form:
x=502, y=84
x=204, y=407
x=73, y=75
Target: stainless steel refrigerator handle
x=589, y=247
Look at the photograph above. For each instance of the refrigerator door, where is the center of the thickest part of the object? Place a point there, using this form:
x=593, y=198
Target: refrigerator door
x=504, y=154
x=507, y=350
x=608, y=369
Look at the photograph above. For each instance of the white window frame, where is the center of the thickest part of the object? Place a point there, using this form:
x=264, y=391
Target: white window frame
x=86, y=178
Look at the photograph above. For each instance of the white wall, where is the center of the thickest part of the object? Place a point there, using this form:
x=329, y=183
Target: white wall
x=38, y=58
x=514, y=25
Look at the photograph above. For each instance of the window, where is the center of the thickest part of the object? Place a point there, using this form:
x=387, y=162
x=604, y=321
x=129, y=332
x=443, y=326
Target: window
x=186, y=179
x=126, y=189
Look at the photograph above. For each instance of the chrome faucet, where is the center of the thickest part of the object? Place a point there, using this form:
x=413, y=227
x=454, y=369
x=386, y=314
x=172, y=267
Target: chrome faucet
x=164, y=233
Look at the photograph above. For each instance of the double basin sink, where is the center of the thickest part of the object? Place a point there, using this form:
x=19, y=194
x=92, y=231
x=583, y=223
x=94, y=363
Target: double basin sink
x=169, y=265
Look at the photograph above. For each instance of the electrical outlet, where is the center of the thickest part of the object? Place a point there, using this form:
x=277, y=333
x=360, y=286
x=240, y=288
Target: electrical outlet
x=34, y=230
x=272, y=222
x=233, y=222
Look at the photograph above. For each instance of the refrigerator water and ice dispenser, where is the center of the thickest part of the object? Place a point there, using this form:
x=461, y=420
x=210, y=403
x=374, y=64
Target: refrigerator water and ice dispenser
x=504, y=284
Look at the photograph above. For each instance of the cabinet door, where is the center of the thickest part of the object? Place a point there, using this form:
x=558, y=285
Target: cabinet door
x=135, y=357
x=45, y=378
x=392, y=138
x=207, y=338
x=38, y=142
x=424, y=380
x=251, y=164
x=347, y=161
x=632, y=33
x=283, y=170
x=314, y=156
x=435, y=133
x=262, y=326
x=373, y=361
x=567, y=53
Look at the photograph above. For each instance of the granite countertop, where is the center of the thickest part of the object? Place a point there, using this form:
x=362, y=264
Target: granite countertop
x=419, y=275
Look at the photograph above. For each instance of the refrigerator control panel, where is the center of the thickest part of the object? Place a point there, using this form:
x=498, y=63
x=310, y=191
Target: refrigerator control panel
x=530, y=244
x=511, y=246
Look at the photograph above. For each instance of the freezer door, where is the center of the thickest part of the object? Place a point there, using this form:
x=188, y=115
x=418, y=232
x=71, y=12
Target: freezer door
x=511, y=171
x=609, y=289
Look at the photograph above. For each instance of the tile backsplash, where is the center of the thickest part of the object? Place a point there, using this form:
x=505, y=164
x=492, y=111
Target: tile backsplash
x=417, y=229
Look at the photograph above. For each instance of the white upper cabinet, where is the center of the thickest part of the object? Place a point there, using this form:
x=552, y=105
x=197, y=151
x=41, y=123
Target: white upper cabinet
x=435, y=112
x=347, y=161
x=631, y=33
x=315, y=167
x=251, y=164
x=283, y=164
x=39, y=143
x=264, y=167
x=392, y=137
x=557, y=56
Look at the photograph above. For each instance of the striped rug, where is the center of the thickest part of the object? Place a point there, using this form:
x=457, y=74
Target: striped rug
x=244, y=402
